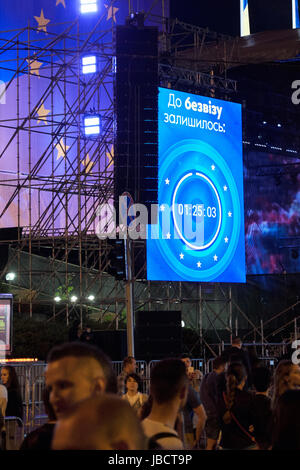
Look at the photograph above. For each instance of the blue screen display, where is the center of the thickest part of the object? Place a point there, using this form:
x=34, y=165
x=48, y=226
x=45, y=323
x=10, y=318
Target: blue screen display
x=199, y=235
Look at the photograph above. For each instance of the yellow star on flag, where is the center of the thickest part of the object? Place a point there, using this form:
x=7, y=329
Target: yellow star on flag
x=110, y=155
x=62, y=2
x=61, y=149
x=34, y=66
x=111, y=13
x=42, y=22
x=43, y=113
x=88, y=164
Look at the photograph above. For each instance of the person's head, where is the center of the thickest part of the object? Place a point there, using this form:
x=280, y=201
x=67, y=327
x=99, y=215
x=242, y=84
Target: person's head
x=219, y=364
x=169, y=382
x=133, y=383
x=9, y=377
x=105, y=422
x=129, y=364
x=286, y=431
x=236, y=342
x=76, y=371
x=186, y=360
x=286, y=377
x=236, y=377
x=261, y=379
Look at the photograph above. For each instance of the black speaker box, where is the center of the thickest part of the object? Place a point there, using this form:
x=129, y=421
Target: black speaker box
x=158, y=335
x=112, y=342
x=136, y=104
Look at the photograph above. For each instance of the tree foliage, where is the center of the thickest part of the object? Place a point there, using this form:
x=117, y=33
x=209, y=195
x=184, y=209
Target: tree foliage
x=34, y=338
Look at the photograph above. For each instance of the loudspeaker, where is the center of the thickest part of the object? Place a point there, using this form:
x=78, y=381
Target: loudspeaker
x=158, y=335
x=112, y=342
x=136, y=105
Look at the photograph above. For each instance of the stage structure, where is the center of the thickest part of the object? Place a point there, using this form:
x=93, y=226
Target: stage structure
x=57, y=150
x=57, y=140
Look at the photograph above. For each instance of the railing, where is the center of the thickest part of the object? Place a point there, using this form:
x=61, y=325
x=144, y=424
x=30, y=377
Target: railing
x=12, y=434
x=32, y=382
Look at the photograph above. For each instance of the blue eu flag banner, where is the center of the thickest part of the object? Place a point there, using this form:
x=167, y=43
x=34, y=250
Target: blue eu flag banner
x=200, y=230
x=43, y=98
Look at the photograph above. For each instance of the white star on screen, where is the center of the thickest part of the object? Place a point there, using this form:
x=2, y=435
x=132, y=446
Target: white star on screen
x=181, y=255
x=168, y=236
x=213, y=167
x=167, y=181
x=225, y=188
x=229, y=214
x=199, y=264
x=215, y=258
x=226, y=239
x=162, y=208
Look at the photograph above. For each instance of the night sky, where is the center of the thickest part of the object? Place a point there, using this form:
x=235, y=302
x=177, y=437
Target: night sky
x=218, y=15
x=223, y=16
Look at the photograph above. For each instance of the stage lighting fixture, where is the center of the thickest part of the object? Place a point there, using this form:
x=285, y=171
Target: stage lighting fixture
x=57, y=299
x=73, y=298
x=10, y=276
x=182, y=324
x=91, y=125
x=89, y=64
x=91, y=298
x=88, y=6
x=279, y=125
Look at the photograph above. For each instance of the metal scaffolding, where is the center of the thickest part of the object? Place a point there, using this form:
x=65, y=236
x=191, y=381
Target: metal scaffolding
x=58, y=253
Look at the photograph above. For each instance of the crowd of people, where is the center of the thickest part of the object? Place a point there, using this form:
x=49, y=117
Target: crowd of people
x=236, y=406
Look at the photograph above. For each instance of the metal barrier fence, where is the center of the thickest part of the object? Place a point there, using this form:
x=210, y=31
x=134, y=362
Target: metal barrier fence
x=268, y=361
x=12, y=433
x=32, y=383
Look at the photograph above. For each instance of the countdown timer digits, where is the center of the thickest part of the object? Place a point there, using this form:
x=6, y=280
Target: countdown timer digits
x=205, y=219
x=205, y=211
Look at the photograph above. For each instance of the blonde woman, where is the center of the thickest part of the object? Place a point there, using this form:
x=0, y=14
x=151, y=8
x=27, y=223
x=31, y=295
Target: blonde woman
x=287, y=377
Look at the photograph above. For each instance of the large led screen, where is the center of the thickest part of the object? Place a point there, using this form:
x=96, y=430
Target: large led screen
x=272, y=216
x=199, y=235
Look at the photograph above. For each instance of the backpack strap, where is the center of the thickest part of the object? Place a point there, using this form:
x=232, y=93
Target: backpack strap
x=250, y=436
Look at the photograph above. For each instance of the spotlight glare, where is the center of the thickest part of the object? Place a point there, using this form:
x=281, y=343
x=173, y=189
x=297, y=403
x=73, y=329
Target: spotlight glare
x=91, y=297
x=73, y=298
x=88, y=6
x=89, y=64
x=10, y=276
x=57, y=298
x=91, y=125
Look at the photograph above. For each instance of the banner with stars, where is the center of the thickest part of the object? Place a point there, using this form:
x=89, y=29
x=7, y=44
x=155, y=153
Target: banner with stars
x=200, y=231
x=44, y=156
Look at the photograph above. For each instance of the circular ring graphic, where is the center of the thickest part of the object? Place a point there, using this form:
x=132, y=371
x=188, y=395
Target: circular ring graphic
x=191, y=245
